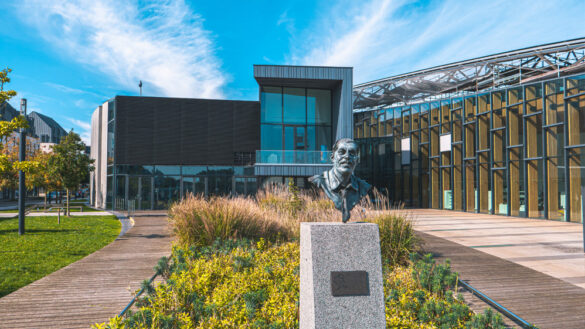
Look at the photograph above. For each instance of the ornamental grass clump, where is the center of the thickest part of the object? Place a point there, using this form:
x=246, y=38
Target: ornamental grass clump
x=199, y=221
x=397, y=237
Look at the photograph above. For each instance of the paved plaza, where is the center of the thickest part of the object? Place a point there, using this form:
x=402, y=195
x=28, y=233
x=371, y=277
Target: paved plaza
x=534, y=268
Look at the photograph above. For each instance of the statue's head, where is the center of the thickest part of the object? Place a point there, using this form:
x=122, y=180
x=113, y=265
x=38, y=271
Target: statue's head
x=345, y=156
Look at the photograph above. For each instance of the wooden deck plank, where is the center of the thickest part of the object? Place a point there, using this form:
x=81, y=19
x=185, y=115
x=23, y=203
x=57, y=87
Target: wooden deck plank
x=538, y=298
x=94, y=288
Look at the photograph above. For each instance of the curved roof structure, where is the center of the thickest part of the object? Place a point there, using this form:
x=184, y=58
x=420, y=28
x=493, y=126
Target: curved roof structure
x=474, y=75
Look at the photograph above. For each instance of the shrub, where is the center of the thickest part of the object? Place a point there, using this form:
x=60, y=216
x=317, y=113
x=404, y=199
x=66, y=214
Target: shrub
x=487, y=320
x=199, y=221
x=204, y=291
x=397, y=237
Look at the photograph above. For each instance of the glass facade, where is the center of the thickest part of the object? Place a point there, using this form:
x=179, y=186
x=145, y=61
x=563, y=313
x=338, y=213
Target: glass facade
x=500, y=152
x=156, y=187
x=294, y=121
x=110, y=153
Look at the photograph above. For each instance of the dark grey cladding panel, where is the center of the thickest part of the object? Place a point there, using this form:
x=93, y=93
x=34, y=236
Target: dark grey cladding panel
x=174, y=131
x=302, y=72
x=289, y=170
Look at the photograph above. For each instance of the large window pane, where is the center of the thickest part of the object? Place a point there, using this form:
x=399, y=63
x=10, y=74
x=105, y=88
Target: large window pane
x=294, y=105
x=319, y=106
x=167, y=170
x=166, y=191
x=110, y=146
x=194, y=170
x=324, y=141
x=271, y=137
x=271, y=105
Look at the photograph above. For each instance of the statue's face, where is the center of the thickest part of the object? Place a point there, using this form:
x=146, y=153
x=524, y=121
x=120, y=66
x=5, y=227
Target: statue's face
x=345, y=157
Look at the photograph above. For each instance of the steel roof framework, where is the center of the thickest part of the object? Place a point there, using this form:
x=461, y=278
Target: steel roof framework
x=471, y=76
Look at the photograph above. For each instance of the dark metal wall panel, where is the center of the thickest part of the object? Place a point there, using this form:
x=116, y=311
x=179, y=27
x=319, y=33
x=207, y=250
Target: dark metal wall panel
x=177, y=131
x=194, y=129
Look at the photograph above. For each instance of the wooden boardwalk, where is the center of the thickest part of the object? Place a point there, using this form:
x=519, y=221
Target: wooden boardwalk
x=538, y=298
x=94, y=288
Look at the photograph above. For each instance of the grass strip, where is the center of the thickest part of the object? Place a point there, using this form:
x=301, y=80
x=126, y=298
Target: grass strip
x=48, y=246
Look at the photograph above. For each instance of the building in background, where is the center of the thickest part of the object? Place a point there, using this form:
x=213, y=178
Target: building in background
x=42, y=127
x=43, y=133
x=501, y=134
x=153, y=151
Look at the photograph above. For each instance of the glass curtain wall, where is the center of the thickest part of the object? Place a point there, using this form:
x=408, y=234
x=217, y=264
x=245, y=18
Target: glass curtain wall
x=157, y=187
x=500, y=152
x=296, y=120
x=111, y=183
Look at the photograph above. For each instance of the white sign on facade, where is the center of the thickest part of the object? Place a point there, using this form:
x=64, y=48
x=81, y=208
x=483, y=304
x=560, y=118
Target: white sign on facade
x=445, y=143
x=382, y=149
x=405, y=151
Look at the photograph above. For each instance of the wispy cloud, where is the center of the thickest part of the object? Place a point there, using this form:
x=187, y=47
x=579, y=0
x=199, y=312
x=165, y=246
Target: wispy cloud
x=380, y=38
x=161, y=42
x=83, y=129
x=74, y=91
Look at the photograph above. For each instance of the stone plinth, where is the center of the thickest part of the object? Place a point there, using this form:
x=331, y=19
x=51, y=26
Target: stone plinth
x=335, y=292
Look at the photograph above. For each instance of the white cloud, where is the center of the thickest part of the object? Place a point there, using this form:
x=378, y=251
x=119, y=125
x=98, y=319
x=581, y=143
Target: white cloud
x=163, y=43
x=83, y=129
x=380, y=38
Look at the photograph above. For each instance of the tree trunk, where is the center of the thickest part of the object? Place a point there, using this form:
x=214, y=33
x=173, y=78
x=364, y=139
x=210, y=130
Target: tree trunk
x=68, y=203
x=46, y=200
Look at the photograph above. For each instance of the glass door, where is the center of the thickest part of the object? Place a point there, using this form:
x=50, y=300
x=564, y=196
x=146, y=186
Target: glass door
x=295, y=143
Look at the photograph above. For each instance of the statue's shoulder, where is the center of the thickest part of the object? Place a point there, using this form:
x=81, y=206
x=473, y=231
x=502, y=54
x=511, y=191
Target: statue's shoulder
x=318, y=180
x=364, y=186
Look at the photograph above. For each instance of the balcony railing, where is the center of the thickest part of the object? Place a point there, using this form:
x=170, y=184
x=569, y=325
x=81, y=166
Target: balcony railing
x=293, y=157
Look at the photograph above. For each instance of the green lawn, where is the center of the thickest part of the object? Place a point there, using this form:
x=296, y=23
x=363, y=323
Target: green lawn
x=74, y=208
x=47, y=246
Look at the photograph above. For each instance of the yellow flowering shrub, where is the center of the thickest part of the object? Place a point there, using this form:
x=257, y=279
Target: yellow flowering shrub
x=245, y=284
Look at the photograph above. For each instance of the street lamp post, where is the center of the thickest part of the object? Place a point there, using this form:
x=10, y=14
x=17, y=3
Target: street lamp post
x=21, y=157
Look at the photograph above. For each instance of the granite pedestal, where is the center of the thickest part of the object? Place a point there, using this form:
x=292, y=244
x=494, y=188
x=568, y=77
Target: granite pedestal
x=341, y=276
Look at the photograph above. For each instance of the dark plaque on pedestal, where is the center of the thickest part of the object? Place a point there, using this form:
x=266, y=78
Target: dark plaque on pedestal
x=350, y=283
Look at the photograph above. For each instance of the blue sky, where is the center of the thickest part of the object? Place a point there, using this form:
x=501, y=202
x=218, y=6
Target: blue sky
x=68, y=57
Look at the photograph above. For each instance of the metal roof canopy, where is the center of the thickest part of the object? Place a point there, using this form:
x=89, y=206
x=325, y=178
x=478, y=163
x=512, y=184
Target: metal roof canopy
x=470, y=76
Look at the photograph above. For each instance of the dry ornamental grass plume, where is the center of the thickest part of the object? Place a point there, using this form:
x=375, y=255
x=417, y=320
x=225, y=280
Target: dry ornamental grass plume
x=276, y=212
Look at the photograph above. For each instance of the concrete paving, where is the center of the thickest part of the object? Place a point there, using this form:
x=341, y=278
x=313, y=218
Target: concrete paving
x=551, y=247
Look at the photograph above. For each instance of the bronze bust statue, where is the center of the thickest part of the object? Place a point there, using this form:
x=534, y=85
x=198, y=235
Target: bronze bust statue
x=340, y=184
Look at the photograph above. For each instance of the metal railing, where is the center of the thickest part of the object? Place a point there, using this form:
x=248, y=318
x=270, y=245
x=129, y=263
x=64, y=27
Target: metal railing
x=512, y=316
x=131, y=207
x=293, y=157
x=120, y=204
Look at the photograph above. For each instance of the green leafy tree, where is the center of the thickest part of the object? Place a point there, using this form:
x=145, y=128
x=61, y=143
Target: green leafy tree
x=69, y=164
x=5, y=95
x=8, y=163
x=9, y=151
x=42, y=177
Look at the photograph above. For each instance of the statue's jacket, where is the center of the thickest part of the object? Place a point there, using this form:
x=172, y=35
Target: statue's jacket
x=352, y=193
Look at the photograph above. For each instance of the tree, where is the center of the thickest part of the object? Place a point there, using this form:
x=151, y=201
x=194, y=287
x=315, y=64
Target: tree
x=8, y=94
x=9, y=164
x=69, y=164
x=10, y=151
x=42, y=177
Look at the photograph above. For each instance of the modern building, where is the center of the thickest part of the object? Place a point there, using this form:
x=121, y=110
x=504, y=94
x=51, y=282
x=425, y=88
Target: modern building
x=42, y=127
x=502, y=134
x=153, y=151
